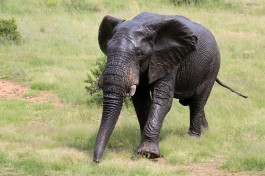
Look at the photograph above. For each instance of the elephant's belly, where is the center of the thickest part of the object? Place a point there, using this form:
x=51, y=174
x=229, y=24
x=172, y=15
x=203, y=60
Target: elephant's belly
x=183, y=94
x=185, y=87
x=188, y=79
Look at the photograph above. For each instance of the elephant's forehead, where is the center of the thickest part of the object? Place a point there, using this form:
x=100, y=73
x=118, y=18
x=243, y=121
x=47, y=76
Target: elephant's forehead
x=131, y=26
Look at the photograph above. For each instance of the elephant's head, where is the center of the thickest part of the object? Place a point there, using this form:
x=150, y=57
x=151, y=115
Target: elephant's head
x=148, y=43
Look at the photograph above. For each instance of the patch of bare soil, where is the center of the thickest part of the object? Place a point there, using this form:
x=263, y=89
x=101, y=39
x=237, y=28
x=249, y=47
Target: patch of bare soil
x=210, y=168
x=12, y=90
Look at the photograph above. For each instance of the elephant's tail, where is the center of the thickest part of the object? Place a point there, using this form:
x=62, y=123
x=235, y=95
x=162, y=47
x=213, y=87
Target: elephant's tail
x=222, y=84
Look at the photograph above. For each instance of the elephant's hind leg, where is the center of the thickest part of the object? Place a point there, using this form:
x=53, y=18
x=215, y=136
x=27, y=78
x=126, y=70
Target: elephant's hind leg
x=197, y=120
x=196, y=105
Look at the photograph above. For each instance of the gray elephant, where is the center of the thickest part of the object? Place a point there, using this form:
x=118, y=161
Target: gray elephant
x=155, y=58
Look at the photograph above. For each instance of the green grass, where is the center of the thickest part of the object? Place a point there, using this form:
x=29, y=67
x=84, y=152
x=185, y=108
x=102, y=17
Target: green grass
x=59, y=46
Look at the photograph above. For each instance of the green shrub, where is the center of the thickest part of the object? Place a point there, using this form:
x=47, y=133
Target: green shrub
x=8, y=31
x=92, y=81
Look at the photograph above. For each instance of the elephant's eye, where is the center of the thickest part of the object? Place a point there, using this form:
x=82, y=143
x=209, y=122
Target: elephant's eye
x=139, y=53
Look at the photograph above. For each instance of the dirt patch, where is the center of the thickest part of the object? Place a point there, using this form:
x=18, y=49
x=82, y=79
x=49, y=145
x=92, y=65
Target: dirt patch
x=12, y=90
x=210, y=168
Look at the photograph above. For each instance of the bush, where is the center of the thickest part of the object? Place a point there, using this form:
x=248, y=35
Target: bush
x=92, y=81
x=8, y=31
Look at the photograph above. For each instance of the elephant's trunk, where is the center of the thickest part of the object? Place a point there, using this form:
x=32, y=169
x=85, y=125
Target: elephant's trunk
x=111, y=110
x=120, y=77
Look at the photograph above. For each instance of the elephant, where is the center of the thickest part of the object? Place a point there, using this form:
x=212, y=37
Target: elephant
x=154, y=58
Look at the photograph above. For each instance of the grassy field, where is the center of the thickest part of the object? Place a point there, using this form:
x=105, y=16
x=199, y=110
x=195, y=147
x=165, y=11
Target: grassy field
x=59, y=46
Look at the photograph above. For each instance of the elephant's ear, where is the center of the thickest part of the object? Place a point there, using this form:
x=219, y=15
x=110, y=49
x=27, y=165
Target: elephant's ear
x=105, y=31
x=173, y=41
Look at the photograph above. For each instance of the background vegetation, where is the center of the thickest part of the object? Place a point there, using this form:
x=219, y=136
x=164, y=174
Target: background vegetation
x=60, y=46
x=8, y=31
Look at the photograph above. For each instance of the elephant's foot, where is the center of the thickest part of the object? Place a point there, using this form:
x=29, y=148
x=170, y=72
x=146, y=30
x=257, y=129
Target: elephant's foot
x=149, y=150
x=195, y=133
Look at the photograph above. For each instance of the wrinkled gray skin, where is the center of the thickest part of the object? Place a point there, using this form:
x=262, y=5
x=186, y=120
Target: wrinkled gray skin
x=163, y=57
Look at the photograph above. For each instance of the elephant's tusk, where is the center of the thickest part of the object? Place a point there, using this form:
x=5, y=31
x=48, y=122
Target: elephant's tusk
x=132, y=90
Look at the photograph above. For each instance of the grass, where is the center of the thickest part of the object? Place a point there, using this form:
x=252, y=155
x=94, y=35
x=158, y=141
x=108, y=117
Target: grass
x=60, y=44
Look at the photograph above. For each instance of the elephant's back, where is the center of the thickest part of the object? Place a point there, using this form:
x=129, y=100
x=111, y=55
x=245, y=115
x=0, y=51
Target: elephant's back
x=206, y=40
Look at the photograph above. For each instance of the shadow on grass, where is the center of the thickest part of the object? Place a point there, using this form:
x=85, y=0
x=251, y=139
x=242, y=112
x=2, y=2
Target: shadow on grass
x=124, y=139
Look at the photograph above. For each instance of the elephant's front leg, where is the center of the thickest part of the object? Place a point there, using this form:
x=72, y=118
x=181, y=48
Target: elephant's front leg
x=163, y=91
x=142, y=102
